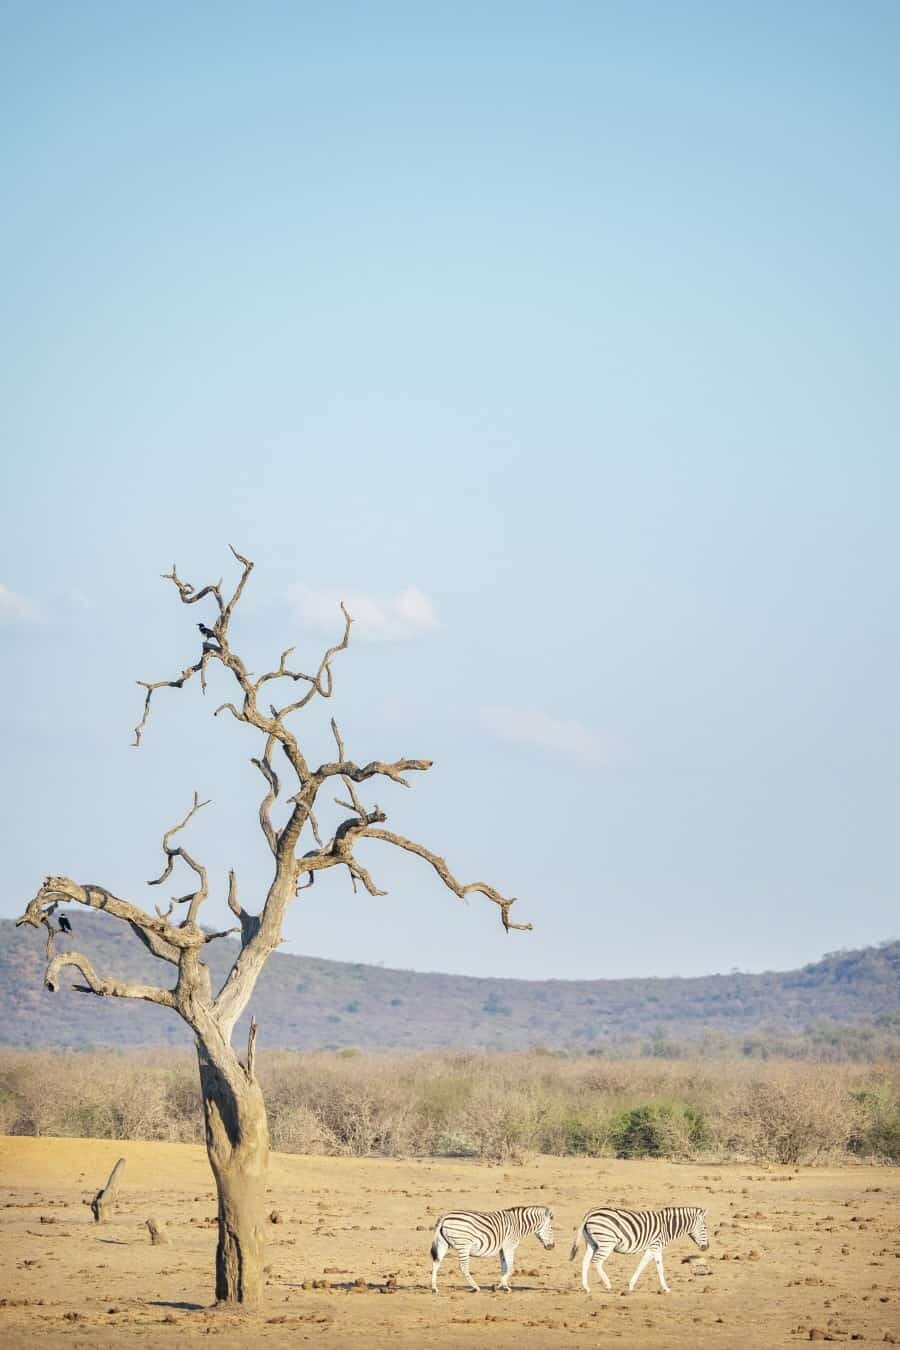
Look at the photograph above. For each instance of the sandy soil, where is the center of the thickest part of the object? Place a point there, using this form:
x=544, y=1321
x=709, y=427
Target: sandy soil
x=792, y=1250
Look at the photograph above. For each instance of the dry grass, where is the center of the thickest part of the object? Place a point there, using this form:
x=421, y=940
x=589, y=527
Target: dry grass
x=496, y=1107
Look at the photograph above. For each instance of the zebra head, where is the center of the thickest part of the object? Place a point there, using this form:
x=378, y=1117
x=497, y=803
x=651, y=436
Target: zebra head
x=698, y=1230
x=544, y=1230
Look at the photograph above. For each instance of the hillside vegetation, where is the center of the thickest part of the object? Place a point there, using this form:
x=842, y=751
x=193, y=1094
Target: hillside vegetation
x=846, y=1005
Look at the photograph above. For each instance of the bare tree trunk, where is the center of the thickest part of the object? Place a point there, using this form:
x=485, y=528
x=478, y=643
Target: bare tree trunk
x=237, y=1140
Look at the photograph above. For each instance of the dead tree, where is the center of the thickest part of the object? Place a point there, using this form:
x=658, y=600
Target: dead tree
x=158, y=1235
x=104, y=1202
x=237, y=1136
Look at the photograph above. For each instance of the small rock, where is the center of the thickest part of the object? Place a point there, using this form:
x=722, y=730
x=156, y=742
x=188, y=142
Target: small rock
x=276, y=1217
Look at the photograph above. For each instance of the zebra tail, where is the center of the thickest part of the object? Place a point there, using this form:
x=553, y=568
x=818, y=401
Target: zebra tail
x=434, y=1242
x=576, y=1241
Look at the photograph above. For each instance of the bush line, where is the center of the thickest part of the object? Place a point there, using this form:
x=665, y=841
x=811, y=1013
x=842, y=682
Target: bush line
x=498, y=1107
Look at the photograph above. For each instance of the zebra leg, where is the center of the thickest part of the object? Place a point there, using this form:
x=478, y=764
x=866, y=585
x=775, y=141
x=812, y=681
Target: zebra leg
x=507, y=1257
x=464, y=1267
x=590, y=1251
x=657, y=1257
x=647, y=1257
x=601, y=1255
x=439, y=1249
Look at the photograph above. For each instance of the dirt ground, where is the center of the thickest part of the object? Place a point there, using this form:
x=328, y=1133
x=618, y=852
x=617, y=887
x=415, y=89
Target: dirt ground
x=790, y=1250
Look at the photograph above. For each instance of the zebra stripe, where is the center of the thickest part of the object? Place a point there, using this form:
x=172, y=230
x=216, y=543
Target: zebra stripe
x=470, y=1233
x=636, y=1230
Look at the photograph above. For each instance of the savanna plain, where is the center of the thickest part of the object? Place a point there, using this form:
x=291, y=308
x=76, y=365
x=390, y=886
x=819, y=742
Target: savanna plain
x=801, y=1249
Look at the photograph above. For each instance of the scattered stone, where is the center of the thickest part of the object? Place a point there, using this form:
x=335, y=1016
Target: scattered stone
x=276, y=1217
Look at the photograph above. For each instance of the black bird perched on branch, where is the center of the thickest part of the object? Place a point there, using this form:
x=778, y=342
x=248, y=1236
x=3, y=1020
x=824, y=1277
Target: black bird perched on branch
x=64, y=925
x=207, y=632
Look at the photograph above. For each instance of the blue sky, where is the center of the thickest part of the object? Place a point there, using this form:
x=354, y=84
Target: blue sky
x=562, y=340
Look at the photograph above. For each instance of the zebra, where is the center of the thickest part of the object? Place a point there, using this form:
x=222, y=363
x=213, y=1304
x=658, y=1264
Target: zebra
x=472, y=1234
x=643, y=1230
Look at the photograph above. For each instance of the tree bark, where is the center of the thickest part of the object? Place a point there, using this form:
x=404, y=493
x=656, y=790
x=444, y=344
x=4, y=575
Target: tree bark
x=237, y=1141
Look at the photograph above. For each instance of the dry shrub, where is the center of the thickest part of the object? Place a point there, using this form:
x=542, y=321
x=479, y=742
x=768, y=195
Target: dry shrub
x=100, y=1095
x=359, y=1108
x=499, y=1123
x=296, y=1129
x=789, y=1116
x=495, y=1106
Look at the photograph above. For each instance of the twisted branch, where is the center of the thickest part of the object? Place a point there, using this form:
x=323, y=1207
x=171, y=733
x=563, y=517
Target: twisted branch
x=56, y=889
x=249, y=922
x=217, y=647
x=105, y=988
x=265, y=767
x=195, y=898
x=357, y=805
x=347, y=770
x=449, y=880
x=323, y=680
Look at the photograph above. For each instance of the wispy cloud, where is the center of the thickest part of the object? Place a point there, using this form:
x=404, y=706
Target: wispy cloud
x=377, y=618
x=530, y=724
x=13, y=606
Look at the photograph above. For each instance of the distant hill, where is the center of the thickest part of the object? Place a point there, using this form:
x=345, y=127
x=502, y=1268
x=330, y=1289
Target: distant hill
x=303, y=1002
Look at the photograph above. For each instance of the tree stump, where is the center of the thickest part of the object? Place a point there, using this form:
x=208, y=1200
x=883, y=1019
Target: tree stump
x=104, y=1202
x=158, y=1235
